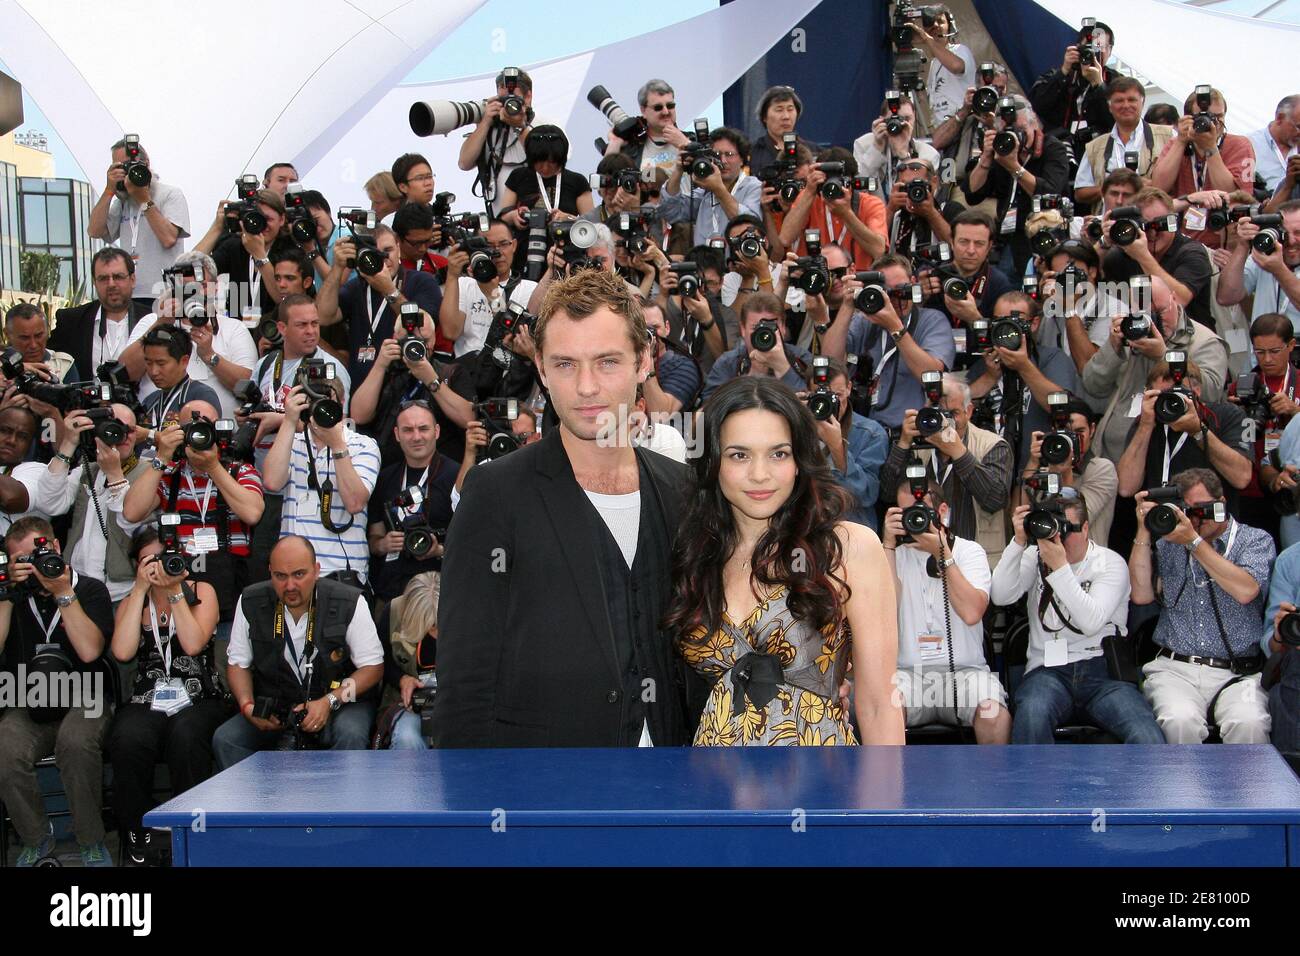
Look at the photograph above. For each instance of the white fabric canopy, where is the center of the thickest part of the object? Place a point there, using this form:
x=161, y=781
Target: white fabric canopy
x=1178, y=46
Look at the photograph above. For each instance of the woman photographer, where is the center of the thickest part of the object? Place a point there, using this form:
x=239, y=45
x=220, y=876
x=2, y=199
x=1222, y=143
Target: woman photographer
x=165, y=625
x=543, y=183
x=408, y=629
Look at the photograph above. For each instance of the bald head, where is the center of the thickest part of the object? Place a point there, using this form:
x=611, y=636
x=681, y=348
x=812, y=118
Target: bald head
x=205, y=409
x=294, y=571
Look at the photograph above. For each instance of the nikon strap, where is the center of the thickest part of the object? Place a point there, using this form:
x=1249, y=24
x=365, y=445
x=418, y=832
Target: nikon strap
x=325, y=489
x=299, y=664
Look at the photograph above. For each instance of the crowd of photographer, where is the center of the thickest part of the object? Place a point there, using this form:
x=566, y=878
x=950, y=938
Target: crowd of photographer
x=226, y=481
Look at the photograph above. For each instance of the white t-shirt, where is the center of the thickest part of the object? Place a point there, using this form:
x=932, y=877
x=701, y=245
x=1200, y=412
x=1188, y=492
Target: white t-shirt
x=1269, y=296
x=362, y=639
x=948, y=89
x=921, y=629
x=231, y=340
x=666, y=440
x=57, y=495
x=479, y=312
x=28, y=474
x=117, y=335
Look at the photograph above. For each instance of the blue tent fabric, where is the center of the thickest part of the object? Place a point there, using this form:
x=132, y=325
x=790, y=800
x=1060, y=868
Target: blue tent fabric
x=1010, y=22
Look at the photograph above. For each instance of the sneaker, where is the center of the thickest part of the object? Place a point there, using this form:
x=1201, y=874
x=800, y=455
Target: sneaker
x=137, y=846
x=95, y=854
x=30, y=854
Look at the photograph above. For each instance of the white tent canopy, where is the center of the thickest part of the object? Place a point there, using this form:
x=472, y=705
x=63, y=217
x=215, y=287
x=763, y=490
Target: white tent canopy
x=1179, y=46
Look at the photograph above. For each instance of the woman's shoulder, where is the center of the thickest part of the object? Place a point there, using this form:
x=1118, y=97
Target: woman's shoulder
x=858, y=540
x=520, y=177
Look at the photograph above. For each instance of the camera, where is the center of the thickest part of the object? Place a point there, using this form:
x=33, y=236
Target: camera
x=199, y=434
x=1270, y=235
x=1173, y=403
x=369, y=261
x=482, y=258
x=324, y=409
x=871, y=298
x=749, y=245
x=932, y=419
x=688, y=279
x=938, y=253
x=917, y=518
x=765, y=335
x=1008, y=141
x=496, y=414
x=815, y=277
x=1288, y=629
x=574, y=237
x=443, y=116
x=780, y=174
x=250, y=398
x=978, y=337
x=243, y=214
x=1202, y=121
x=955, y=287
x=1045, y=240
x=1253, y=395
x=628, y=180
x=1061, y=444
x=107, y=429
x=894, y=124
x=985, y=100
x=1136, y=326
x=1009, y=333
x=512, y=103
x=633, y=230
x=837, y=185
x=175, y=562
x=1221, y=217
x=302, y=227
x=137, y=173
x=1047, y=520
x=48, y=562
x=509, y=321
x=417, y=536
x=699, y=158
x=1043, y=482
x=538, y=243
x=822, y=402
x=630, y=129
x=918, y=191
x=234, y=441
x=412, y=319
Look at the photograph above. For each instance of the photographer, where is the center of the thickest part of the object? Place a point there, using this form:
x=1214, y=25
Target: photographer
x=1121, y=368
x=1212, y=578
x=469, y=304
x=304, y=656
x=601, y=253
x=385, y=198
x=408, y=631
x=1086, y=475
x=293, y=276
x=495, y=147
x=778, y=111
x=96, y=332
x=961, y=135
x=166, y=358
x=913, y=224
x=1279, y=639
x=781, y=360
x=326, y=477
x=1039, y=165
x=952, y=66
x=972, y=245
x=960, y=580
x=218, y=501
x=369, y=305
x=1108, y=152
x=674, y=378
x=72, y=611
x=855, y=445
x=19, y=478
x=28, y=331
x=879, y=153
x=618, y=195
x=544, y=183
x=855, y=221
x=523, y=429
x=1078, y=597
x=1273, y=278
x=414, y=179
x=1072, y=99
x=99, y=538
x=164, y=627
x=1117, y=189
x=393, y=563
x=903, y=340
x=972, y=467
x=659, y=151
x=223, y=352
x=246, y=256
x=1278, y=143
x=148, y=222
x=1216, y=159
x=417, y=235
x=1039, y=370
x=712, y=202
x=1076, y=314
x=279, y=176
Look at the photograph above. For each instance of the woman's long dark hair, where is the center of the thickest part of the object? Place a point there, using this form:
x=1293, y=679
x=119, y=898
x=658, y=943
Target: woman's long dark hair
x=803, y=527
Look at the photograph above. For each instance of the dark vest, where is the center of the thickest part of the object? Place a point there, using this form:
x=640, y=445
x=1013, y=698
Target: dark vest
x=272, y=674
x=634, y=599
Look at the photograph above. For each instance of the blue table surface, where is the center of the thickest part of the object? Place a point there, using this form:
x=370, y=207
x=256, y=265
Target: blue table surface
x=747, y=786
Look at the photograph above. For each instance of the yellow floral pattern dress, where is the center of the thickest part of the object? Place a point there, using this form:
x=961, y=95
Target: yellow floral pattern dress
x=806, y=709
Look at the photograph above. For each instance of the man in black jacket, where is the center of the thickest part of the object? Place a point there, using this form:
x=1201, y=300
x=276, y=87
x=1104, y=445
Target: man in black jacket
x=557, y=562
x=1071, y=101
x=98, y=331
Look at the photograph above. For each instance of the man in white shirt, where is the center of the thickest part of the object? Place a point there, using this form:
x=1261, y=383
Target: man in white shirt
x=1273, y=279
x=288, y=669
x=224, y=352
x=943, y=592
x=468, y=304
x=1277, y=142
x=952, y=65
x=1078, y=595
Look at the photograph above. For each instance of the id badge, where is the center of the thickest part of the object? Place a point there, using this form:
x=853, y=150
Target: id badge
x=1271, y=441
x=1009, y=221
x=366, y=356
x=204, y=541
x=1056, y=652
x=959, y=340
x=1194, y=219
x=1135, y=406
x=931, y=648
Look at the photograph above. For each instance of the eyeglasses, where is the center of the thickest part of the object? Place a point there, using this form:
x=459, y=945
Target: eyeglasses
x=727, y=154
x=115, y=277
x=414, y=403
x=1268, y=353
x=660, y=107
x=422, y=178
x=503, y=244
x=839, y=273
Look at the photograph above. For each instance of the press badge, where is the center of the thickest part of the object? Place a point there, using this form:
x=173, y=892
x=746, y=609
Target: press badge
x=1194, y=219
x=1009, y=221
x=204, y=541
x=366, y=356
x=931, y=647
x=1272, y=439
x=1056, y=652
x=1135, y=406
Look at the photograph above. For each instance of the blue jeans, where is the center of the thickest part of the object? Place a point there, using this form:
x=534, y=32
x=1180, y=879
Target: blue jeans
x=349, y=729
x=1049, y=696
x=406, y=733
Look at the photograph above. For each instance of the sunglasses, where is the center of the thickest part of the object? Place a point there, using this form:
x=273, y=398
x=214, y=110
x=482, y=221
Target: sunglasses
x=660, y=107
x=414, y=403
x=839, y=273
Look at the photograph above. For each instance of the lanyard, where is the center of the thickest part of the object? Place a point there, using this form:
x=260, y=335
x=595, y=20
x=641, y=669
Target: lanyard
x=374, y=317
x=299, y=664
x=830, y=227
x=717, y=229
x=164, y=649
x=1233, y=527
x=255, y=281
x=174, y=397
x=541, y=188
x=1169, y=455
x=135, y=227
x=54, y=621
x=942, y=480
x=207, y=496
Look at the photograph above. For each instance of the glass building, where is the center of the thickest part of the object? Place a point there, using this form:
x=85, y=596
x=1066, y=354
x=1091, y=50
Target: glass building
x=10, y=231
x=56, y=219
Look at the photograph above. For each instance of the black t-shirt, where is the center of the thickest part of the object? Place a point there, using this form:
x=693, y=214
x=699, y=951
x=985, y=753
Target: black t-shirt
x=1186, y=260
x=907, y=232
x=987, y=285
x=390, y=577
x=25, y=631
x=371, y=327
x=523, y=183
x=1225, y=421
x=477, y=377
x=233, y=260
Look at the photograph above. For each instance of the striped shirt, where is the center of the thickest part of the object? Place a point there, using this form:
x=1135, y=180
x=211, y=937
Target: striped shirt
x=335, y=551
x=196, y=503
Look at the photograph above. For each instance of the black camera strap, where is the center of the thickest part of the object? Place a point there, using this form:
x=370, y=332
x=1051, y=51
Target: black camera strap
x=308, y=647
x=1048, y=599
x=222, y=509
x=325, y=490
x=1148, y=135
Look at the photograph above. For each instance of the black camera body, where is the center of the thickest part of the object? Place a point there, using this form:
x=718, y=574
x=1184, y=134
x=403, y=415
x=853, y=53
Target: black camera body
x=1173, y=403
x=748, y=245
x=1061, y=444
x=302, y=225
x=199, y=434
x=701, y=160
x=1202, y=121
x=780, y=174
x=512, y=103
x=235, y=442
x=1271, y=234
x=765, y=335
x=688, y=278
x=1162, y=519
x=324, y=410
x=1288, y=629
x=1043, y=483
x=417, y=536
x=933, y=418
x=1253, y=396
x=496, y=414
x=838, y=184
x=369, y=261
x=175, y=562
x=630, y=129
x=1137, y=326
x=1047, y=519
x=633, y=231
x=251, y=400
x=918, y=517
x=918, y=191
x=873, y=295
x=1221, y=217
x=985, y=100
x=509, y=321
x=814, y=277
x=1008, y=141
x=243, y=215
x=46, y=560
x=482, y=257
x=137, y=173
x=1010, y=332
x=107, y=429
x=822, y=402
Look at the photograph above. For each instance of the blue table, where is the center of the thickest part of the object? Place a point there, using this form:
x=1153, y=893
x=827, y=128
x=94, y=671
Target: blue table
x=936, y=806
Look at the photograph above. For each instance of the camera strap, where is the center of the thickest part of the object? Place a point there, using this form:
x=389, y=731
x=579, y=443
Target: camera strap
x=48, y=629
x=541, y=188
x=254, y=282
x=164, y=647
x=89, y=480
x=135, y=227
x=325, y=490
x=1147, y=136
x=374, y=317
x=174, y=397
x=308, y=648
x=1170, y=453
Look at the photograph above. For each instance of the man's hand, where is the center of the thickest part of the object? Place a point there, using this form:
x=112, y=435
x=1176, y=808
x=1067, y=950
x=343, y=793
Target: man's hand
x=948, y=442
x=1052, y=552
x=880, y=134
x=408, y=685
x=206, y=462
x=475, y=438
x=757, y=268
x=1284, y=480
x=887, y=318
x=1282, y=406
x=1017, y=360
x=254, y=244
x=392, y=543
x=381, y=282
x=457, y=263
x=893, y=527
x=828, y=430
x=167, y=439
x=773, y=361
x=1071, y=59
x=908, y=433
x=927, y=542
x=1018, y=525
x=60, y=586
x=1208, y=198
x=964, y=310
x=897, y=199
x=675, y=137
x=1152, y=346
x=389, y=352
x=138, y=194
x=295, y=403
x=1190, y=421
x=1183, y=532
x=1148, y=416
x=318, y=715
x=345, y=251
x=201, y=335
x=1093, y=74
x=117, y=174
x=713, y=182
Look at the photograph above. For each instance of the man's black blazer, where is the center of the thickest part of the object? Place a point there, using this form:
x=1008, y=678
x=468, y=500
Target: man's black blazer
x=75, y=331
x=526, y=654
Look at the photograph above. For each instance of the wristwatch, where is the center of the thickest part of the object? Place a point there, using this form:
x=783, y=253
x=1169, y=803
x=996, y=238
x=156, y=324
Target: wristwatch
x=898, y=334
x=1195, y=543
x=335, y=703
x=262, y=261
x=66, y=599
x=948, y=562
x=213, y=362
x=176, y=598
x=1020, y=172
x=392, y=298
x=157, y=464
x=434, y=386
x=148, y=204
x=336, y=455
x=311, y=256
